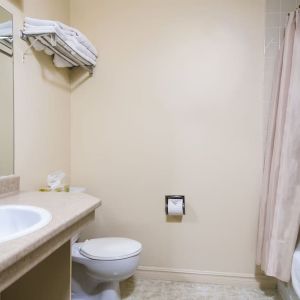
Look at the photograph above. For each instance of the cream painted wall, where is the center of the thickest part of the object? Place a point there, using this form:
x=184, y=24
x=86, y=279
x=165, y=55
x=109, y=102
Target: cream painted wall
x=174, y=107
x=42, y=100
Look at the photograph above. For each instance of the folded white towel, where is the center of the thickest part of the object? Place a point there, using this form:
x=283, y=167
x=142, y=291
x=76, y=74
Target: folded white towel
x=37, y=45
x=39, y=29
x=5, y=32
x=70, y=40
x=7, y=24
x=80, y=37
x=58, y=61
x=6, y=29
x=67, y=30
x=80, y=47
x=79, y=51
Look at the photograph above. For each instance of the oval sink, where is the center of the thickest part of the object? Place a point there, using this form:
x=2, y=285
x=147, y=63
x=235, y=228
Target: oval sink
x=19, y=220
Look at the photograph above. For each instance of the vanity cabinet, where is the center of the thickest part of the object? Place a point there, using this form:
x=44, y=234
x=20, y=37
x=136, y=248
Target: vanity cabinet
x=38, y=266
x=49, y=280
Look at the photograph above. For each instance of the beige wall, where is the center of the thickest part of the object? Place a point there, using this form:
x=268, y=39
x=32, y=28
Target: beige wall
x=174, y=107
x=42, y=100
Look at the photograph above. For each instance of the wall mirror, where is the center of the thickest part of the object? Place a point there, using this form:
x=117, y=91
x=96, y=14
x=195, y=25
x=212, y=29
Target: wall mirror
x=6, y=94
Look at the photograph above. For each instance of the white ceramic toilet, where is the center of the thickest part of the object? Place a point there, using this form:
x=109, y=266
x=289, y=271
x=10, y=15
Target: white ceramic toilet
x=100, y=264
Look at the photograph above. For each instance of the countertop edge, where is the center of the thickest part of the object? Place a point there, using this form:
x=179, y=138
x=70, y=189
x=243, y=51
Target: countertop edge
x=45, y=237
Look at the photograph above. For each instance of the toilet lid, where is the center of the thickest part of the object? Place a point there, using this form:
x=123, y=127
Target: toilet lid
x=110, y=248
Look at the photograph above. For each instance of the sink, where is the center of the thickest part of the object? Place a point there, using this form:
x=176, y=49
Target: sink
x=19, y=220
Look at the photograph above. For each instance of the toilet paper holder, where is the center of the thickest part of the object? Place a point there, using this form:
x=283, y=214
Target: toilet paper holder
x=168, y=197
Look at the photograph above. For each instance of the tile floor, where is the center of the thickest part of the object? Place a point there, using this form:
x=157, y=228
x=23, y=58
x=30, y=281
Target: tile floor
x=140, y=289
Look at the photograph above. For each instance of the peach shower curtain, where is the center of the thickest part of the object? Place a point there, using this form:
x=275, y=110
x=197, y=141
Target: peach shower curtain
x=280, y=203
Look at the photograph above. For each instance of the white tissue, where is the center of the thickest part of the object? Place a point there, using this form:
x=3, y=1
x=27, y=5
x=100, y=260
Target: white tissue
x=55, y=179
x=175, y=207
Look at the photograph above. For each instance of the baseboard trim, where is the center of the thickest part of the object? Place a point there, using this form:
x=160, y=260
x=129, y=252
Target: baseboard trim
x=247, y=280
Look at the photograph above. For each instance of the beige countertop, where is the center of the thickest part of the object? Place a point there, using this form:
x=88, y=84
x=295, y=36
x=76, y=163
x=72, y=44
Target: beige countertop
x=66, y=209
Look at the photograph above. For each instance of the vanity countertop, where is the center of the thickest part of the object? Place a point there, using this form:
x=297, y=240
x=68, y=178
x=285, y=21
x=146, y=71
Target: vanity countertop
x=66, y=209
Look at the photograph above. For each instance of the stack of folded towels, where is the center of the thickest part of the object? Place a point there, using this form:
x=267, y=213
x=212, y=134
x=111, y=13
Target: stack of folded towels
x=82, y=48
x=6, y=29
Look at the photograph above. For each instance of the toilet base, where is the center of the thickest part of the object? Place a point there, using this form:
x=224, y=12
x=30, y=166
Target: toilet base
x=104, y=291
x=110, y=291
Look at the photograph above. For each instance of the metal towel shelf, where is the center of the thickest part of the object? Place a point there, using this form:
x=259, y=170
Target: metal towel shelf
x=58, y=46
x=6, y=44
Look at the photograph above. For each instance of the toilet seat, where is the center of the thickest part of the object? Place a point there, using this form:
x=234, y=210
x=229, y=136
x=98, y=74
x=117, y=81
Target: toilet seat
x=110, y=248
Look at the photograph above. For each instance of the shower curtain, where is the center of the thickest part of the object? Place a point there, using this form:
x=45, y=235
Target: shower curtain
x=280, y=202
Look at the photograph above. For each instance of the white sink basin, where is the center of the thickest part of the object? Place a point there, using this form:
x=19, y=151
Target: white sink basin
x=19, y=220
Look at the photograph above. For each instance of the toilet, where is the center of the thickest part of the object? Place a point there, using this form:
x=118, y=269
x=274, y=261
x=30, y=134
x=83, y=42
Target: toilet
x=100, y=264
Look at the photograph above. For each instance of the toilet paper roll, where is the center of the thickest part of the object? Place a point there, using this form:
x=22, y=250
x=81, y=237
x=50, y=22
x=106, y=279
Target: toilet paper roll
x=175, y=207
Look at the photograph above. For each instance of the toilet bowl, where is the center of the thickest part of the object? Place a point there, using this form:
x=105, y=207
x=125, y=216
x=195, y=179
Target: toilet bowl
x=100, y=264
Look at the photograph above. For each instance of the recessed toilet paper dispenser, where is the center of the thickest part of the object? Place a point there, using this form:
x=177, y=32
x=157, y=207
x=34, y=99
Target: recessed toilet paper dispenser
x=174, y=205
